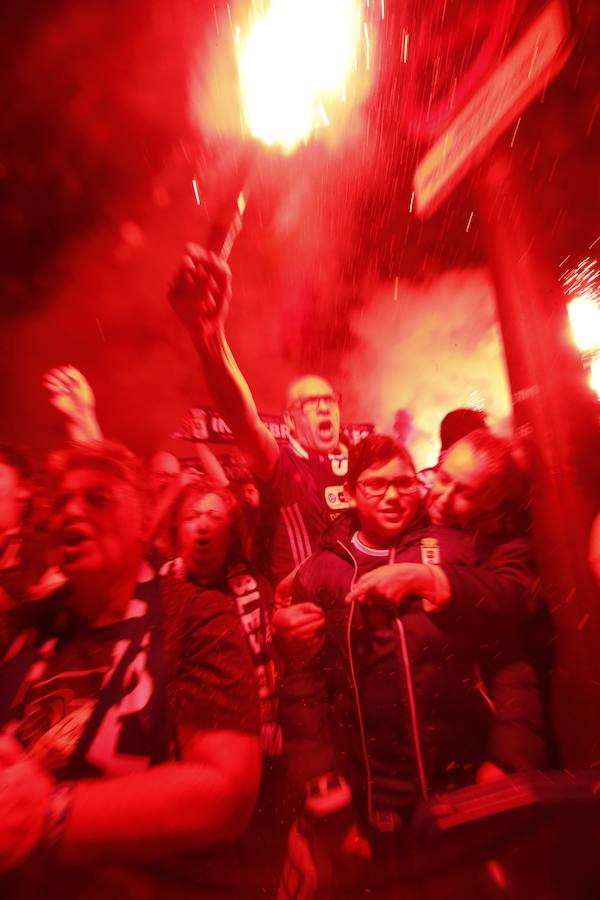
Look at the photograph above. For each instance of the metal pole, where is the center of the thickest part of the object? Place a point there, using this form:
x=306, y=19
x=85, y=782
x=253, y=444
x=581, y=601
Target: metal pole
x=556, y=415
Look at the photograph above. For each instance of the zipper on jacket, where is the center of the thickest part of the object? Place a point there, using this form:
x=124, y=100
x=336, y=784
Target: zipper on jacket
x=409, y=686
x=361, y=727
x=480, y=686
x=412, y=706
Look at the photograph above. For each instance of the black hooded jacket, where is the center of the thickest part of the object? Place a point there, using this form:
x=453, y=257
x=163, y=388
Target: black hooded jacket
x=395, y=699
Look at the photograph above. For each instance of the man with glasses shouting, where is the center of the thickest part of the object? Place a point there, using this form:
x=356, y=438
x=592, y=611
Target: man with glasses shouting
x=305, y=480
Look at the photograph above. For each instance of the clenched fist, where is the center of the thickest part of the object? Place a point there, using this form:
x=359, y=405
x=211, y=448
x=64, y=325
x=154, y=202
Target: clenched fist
x=201, y=291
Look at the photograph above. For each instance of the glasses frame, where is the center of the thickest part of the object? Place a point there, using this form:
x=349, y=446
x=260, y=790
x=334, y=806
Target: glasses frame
x=329, y=399
x=370, y=495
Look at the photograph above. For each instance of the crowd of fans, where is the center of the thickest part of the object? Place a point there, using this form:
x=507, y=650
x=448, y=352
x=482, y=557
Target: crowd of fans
x=212, y=689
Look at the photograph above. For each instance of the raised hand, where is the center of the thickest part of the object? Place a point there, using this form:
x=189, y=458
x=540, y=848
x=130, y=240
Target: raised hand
x=71, y=394
x=70, y=391
x=201, y=291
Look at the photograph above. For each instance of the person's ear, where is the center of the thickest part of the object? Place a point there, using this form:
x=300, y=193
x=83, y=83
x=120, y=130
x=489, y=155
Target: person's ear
x=350, y=495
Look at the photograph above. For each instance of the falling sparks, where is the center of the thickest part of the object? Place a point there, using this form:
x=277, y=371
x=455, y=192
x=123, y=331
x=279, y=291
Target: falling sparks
x=514, y=134
x=405, y=47
x=591, y=123
x=196, y=192
x=469, y=222
x=497, y=873
x=412, y=200
x=583, y=621
x=533, y=59
x=296, y=57
x=323, y=114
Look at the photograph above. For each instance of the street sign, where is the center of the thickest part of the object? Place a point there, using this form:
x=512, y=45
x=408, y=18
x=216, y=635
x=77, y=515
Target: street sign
x=531, y=63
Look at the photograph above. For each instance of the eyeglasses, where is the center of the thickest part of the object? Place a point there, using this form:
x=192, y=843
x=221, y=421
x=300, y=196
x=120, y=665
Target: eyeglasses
x=378, y=487
x=310, y=404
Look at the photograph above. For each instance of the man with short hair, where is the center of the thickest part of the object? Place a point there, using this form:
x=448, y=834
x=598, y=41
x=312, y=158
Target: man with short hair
x=306, y=478
x=391, y=708
x=128, y=710
x=477, y=480
x=455, y=425
x=164, y=470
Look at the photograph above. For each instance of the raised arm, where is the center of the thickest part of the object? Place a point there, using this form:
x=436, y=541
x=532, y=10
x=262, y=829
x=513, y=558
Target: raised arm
x=204, y=798
x=210, y=465
x=200, y=296
x=71, y=394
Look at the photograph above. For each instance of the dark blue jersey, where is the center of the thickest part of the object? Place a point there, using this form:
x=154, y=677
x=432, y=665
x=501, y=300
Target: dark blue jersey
x=304, y=494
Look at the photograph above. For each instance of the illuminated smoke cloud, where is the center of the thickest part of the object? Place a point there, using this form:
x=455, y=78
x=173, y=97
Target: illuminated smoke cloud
x=424, y=349
x=97, y=168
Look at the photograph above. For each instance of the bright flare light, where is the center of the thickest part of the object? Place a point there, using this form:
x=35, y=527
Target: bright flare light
x=582, y=284
x=296, y=59
x=584, y=316
x=595, y=375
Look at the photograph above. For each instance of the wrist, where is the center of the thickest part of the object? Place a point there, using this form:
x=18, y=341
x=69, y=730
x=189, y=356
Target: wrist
x=57, y=814
x=83, y=426
x=436, y=594
x=422, y=579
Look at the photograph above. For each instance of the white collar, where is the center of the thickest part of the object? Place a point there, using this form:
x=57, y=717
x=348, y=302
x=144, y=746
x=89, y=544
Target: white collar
x=368, y=551
x=297, y=448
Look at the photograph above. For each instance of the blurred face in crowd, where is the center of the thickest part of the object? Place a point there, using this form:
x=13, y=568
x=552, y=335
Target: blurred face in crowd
x=386, y=497
x=459, y=493
x=313, y=414
x=98, y=526
x=204, y=530
x=164, y=468
x=249, y=495
x=12, y=495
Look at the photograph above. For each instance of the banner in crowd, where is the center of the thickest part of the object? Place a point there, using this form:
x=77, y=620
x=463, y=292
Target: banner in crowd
x=204, y=424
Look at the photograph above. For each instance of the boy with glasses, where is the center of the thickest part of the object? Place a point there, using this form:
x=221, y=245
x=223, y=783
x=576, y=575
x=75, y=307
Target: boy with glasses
x=392, y=707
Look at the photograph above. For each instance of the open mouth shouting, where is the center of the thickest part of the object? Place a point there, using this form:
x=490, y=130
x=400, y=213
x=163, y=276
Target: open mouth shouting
x=325, y=429
x=74, y=541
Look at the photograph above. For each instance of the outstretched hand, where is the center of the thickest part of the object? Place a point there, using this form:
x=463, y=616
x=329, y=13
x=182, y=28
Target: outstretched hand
x=70, y=392
x=201, y=291
x=390, y=584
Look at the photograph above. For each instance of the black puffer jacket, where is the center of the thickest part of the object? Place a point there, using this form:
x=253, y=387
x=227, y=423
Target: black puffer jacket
x=394, y=700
